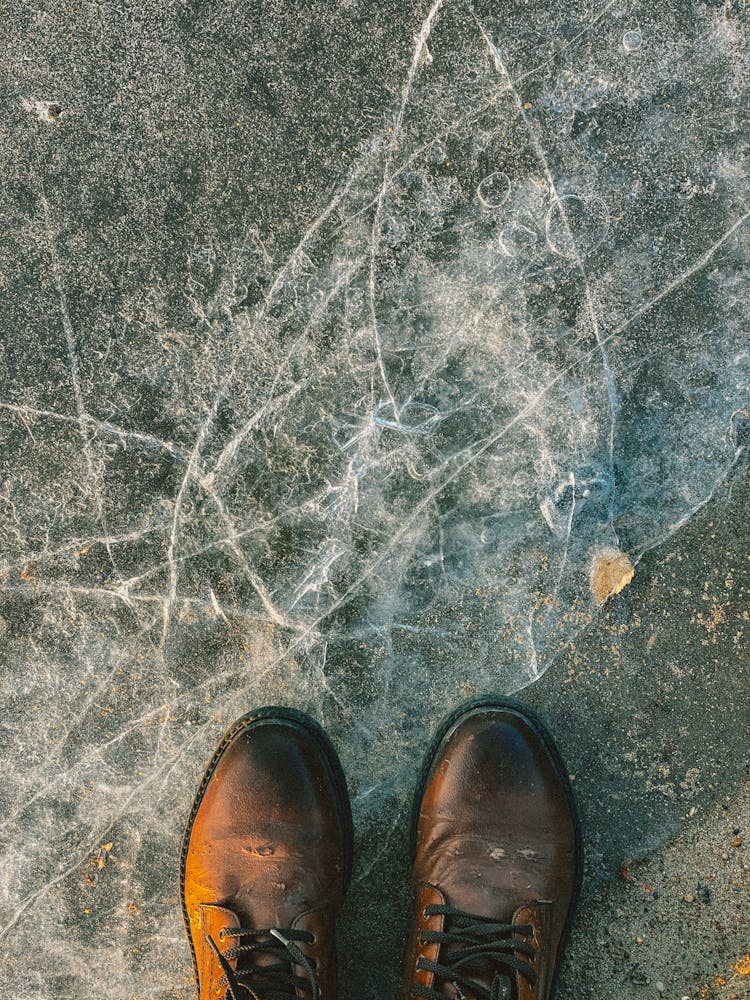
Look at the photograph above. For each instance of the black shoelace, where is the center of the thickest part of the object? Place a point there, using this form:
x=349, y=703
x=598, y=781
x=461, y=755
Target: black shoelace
x=468, y=944
x=265, y=982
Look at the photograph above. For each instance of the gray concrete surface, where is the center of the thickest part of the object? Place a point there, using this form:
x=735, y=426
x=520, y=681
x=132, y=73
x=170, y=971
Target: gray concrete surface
x=339, y=343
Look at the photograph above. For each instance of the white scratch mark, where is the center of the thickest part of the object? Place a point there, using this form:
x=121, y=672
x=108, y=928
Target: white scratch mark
x=420, y=48
x=609, y=381
x=83, y=416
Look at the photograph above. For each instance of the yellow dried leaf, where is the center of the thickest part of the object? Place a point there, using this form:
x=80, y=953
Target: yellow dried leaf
x=611, y=571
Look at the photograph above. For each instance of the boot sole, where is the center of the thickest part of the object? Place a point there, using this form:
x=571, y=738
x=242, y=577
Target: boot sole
x=301, y=721
x=445, y=729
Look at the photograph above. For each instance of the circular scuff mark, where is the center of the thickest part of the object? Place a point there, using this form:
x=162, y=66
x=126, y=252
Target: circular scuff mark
x=576, y=226
x=632, y=40
x=494, y=190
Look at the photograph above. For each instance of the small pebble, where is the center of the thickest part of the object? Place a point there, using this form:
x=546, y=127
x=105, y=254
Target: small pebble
x=724, y=856
x=660, y=987
x=688, y=898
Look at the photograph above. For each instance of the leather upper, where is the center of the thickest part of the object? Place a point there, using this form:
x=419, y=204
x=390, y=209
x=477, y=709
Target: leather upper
x=496, y=837
x=266, y=849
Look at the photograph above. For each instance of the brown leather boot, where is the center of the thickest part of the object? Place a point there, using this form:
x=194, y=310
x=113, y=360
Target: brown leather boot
x=266, y=860
x=497, y=859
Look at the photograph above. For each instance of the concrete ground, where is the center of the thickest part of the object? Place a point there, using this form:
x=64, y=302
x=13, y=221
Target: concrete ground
x=338, y=343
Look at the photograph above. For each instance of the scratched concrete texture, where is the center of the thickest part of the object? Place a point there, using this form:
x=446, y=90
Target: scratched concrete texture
x=344, y=346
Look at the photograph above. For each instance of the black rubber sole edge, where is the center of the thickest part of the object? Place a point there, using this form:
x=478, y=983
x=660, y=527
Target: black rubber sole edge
x=444, y=730
x=293, y=717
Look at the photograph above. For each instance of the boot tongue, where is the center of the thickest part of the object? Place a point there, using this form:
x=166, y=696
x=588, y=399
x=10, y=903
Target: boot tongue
x=499, y=984
x=500, y=989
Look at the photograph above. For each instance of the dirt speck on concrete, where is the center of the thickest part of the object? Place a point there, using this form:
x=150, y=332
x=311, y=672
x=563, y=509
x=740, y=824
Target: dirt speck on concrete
x=675, y=925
